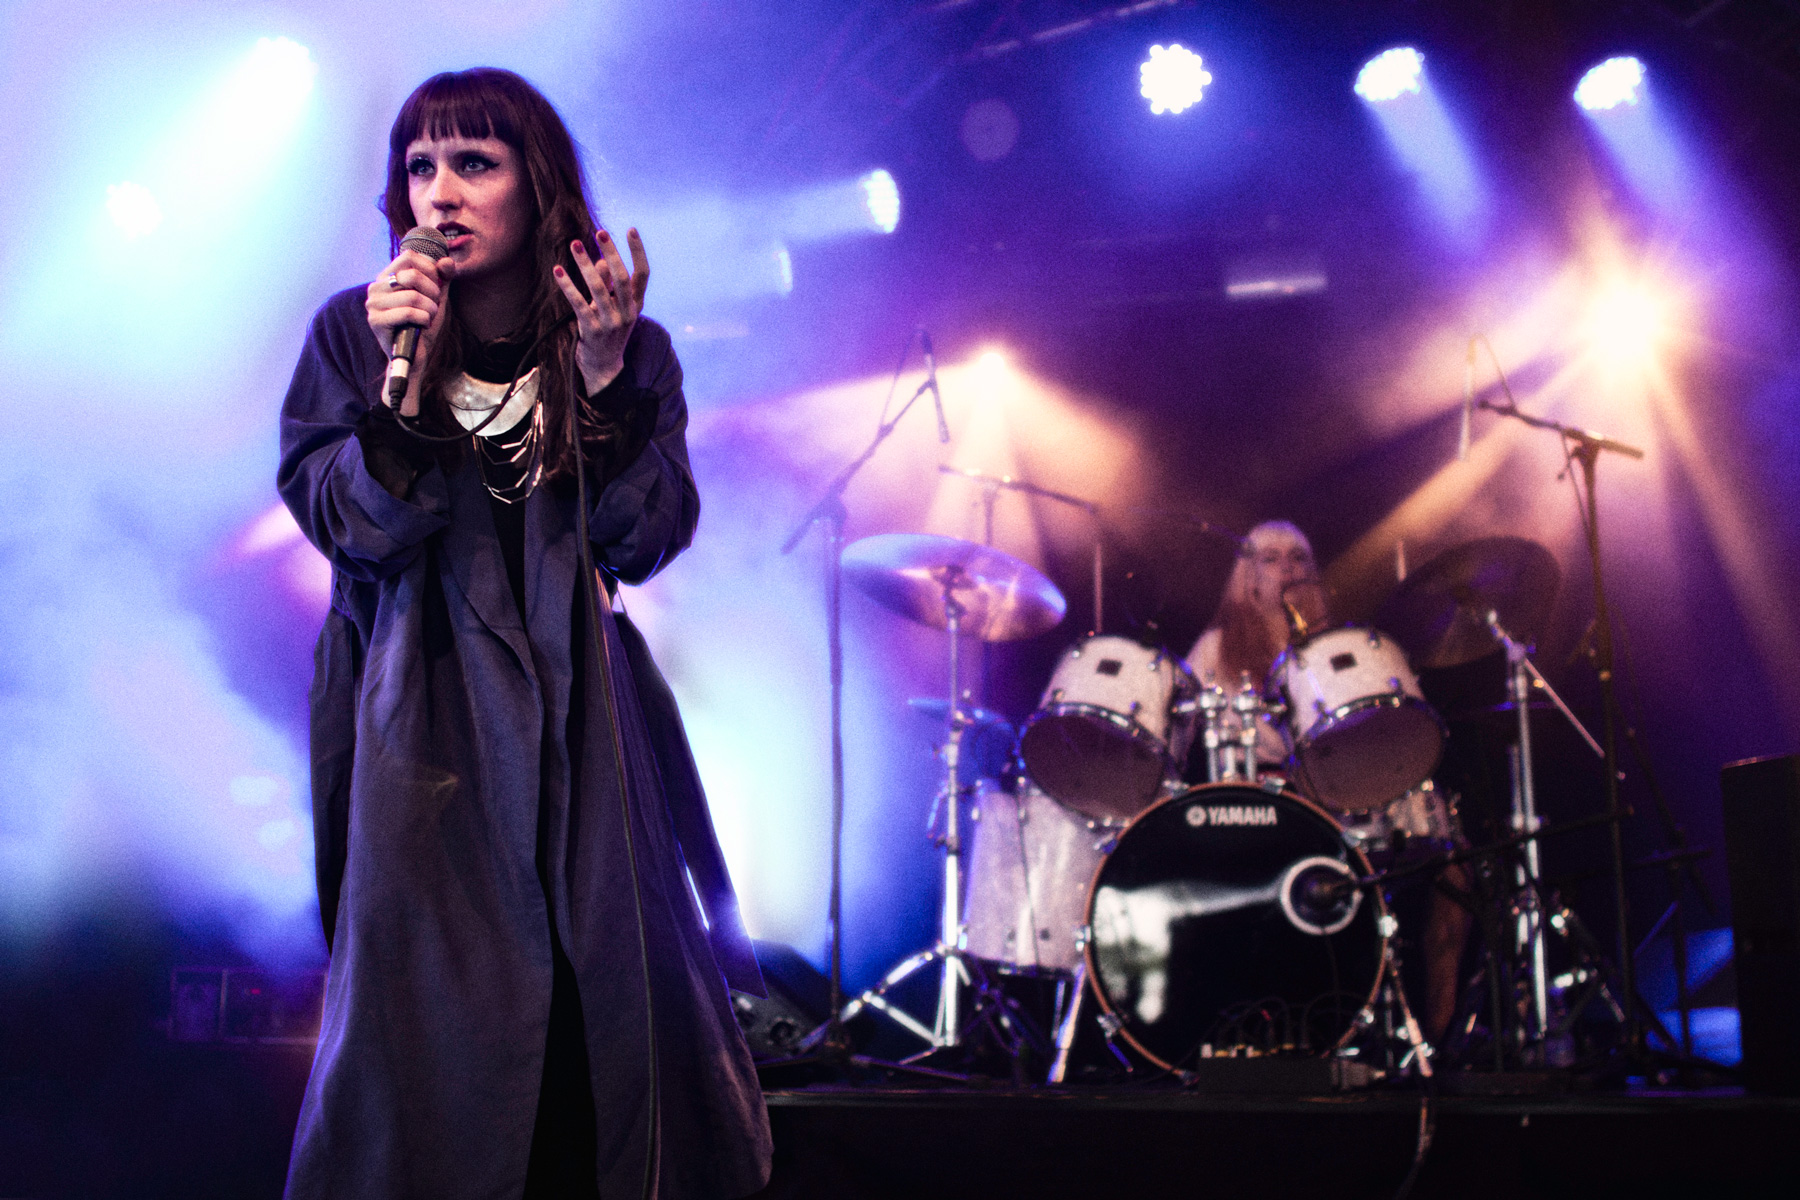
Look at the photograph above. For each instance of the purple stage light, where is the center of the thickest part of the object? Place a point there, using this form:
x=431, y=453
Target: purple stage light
x=1390, y=75
x=1615, y=82
x=1172, y=79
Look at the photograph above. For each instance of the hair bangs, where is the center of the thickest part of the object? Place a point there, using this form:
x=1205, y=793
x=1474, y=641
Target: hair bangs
x=470, y=104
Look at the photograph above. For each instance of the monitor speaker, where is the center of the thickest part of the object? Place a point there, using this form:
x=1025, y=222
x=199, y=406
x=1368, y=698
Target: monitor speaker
x=795, y=1006
x=1762, y=850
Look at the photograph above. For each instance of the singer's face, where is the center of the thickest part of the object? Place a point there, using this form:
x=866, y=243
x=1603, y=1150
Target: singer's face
x=473, y=191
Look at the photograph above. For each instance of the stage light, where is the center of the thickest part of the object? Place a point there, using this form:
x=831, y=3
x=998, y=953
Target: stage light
x=1419, y=128
x=869, y=203
x=881, y=198
x=1172, y=79
x=1617, y=81
x=133, y=209
x=1390, y=75
x=1625, y=325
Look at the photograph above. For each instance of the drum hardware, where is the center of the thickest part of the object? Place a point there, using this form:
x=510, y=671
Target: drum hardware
x=944, y=582
x=1231, y=754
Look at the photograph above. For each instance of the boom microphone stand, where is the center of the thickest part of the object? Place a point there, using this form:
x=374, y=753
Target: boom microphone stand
x=829, y=1042
x=1585, y=447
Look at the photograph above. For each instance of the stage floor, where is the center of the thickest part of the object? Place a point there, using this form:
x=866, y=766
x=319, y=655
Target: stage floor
x=204, y=1122
x=1115, y=1142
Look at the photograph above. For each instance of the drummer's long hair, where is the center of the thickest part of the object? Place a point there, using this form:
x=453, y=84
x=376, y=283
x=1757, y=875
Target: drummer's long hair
x=1246, y=642
x=490, y=102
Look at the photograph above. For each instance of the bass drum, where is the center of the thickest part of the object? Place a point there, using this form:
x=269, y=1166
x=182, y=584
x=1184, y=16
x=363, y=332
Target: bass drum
x=1227, y=918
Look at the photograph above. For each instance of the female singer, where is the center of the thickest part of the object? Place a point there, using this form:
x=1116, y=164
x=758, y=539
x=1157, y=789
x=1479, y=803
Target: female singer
x=524, y=997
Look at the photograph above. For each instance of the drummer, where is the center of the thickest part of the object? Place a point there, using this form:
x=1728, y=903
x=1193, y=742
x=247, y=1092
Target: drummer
x=1274, y=590
x=1250, y=630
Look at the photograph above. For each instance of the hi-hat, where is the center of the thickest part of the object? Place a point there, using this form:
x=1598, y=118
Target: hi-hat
x=1002, y=598
x=1440, y=613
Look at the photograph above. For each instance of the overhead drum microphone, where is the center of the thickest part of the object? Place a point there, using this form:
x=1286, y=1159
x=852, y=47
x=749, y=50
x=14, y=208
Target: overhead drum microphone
x=422, y=239
x=937, y=398
x=1468, y=405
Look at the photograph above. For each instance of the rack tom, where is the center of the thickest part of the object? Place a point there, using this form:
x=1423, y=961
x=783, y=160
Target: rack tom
x=1115, y=719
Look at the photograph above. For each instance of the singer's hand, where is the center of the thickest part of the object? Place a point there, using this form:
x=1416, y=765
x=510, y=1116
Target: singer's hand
x=418, y=300
x=604, y=321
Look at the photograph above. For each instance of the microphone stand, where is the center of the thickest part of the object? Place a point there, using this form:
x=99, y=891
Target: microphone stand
x=829, y=1042
x=1584, y=446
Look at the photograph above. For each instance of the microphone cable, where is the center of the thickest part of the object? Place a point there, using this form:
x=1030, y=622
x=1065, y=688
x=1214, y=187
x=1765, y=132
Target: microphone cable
x=590, y=591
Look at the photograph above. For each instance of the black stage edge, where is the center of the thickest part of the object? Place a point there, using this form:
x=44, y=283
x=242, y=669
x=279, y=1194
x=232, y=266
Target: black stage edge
x=1098, y=1143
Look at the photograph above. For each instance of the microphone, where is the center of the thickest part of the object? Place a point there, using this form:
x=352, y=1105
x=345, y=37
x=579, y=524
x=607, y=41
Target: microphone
x=1468, y=407
x=429, y=242
x=937, y=398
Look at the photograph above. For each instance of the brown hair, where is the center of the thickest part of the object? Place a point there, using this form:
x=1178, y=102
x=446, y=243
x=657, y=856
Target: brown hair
x=489, y=102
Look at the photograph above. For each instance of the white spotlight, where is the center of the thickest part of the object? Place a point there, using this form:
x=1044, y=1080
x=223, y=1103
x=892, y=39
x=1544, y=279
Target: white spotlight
x=133, y=209
x=1390, y=75
x=1614, y=82
x=1172, y=79
x=881, y=197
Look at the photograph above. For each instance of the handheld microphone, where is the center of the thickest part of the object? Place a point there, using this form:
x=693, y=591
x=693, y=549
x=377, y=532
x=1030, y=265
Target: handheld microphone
x=937, y=398
x=1468, y=407
x=429, y=242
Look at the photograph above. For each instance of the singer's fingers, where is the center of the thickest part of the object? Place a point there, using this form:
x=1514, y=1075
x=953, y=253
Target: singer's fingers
x=615, y=265
x=640, y=267
x=598, y=276
x=582, y=306
x=412, y=279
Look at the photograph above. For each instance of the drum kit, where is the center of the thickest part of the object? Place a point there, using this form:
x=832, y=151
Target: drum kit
x=1236, y=917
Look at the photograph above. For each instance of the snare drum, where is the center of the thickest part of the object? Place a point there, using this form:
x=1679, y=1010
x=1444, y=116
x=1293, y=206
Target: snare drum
x=1227, y=916
x=1030, y=863
x=1363, y=733
x=1114, y=719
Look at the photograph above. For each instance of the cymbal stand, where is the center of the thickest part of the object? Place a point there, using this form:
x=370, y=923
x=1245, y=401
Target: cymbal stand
x=1528, y=938
x=958, y=969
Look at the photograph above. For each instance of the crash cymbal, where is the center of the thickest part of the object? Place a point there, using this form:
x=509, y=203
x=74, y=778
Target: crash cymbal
x=1002, y=597
x=1439, y=613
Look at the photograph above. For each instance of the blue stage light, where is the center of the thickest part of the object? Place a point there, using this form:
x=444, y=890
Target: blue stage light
x=1614, y=82
x=1172, y=79
x=1390, y=75
x=881, y=197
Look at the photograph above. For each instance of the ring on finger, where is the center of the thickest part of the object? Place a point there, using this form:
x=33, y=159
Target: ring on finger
x=393, y=281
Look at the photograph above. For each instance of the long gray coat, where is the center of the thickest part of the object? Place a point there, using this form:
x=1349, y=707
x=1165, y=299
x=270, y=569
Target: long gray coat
x=440, y=723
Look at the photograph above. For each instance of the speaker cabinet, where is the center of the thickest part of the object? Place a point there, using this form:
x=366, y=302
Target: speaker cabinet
x=1762, y=850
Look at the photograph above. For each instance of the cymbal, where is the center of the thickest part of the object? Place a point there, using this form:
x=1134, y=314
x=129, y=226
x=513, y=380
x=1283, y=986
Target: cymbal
x=1003, y=598
x=1439, y=613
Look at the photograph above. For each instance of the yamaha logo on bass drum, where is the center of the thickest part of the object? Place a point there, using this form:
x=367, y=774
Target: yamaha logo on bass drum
x=1231, y=814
